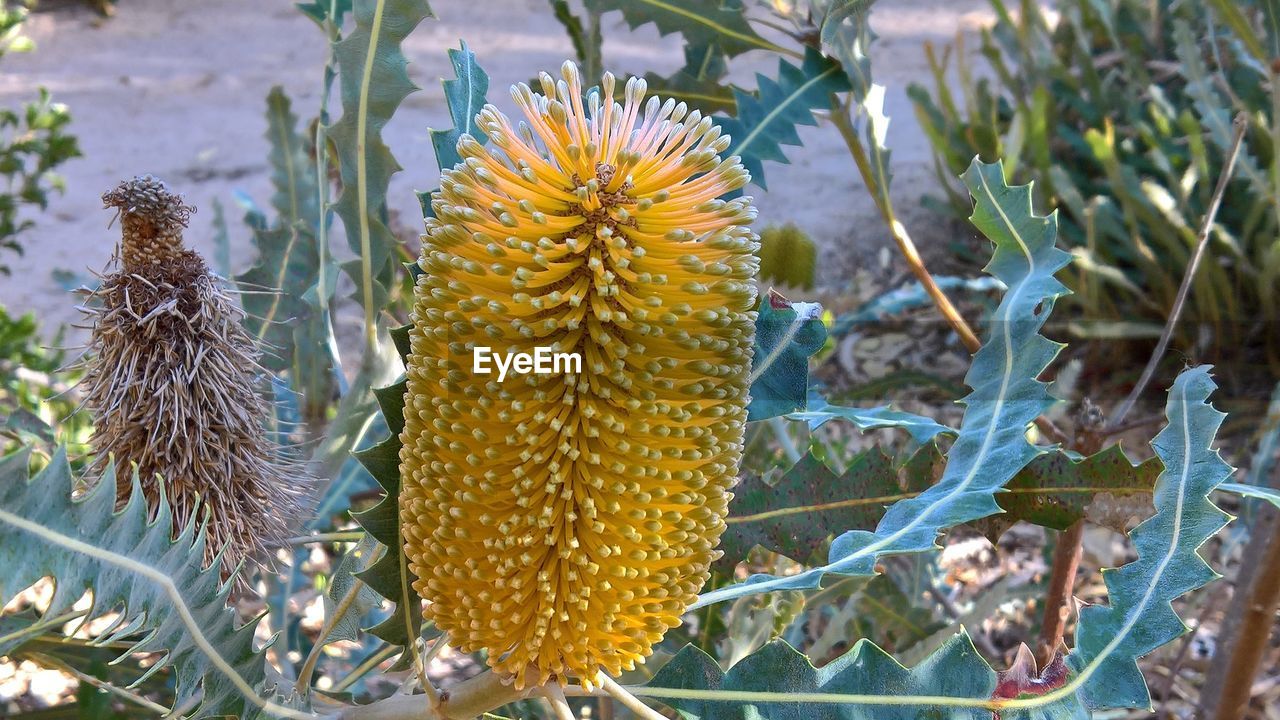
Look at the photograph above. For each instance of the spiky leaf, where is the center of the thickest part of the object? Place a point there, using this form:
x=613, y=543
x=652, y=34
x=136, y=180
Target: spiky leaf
x=348, y=598
x=818, y=412
x=809, y=503
x=846, y=35
x=786, y=335
x=390, y=576
x=954, y=682
x=323, y=11
x=911, y=296
x=288, y=258
x=767, y=119
x=991, y=447
x=698, y=82
x=1056, y=490
x=464, y=95
x=373, y=82
x=134, y=565
x=867, y=672
x=701, y=22
x=1139, y=616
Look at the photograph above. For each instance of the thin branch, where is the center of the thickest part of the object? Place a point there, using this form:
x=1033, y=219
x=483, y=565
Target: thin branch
x=555, y=698
x=909, y=252
x=463, y=701
x=1057, y=601
x=1202, y=244
x=908, y=248
x=629, y=701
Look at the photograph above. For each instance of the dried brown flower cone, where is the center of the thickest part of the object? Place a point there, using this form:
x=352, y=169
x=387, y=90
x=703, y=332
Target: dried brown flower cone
x=174, y=385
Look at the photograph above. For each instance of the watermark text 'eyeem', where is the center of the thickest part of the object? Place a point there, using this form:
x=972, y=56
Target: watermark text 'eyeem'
x=542, y=361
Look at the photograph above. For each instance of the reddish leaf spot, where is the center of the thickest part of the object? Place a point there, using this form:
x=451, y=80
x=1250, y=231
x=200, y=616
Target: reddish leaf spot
x=1024, y=679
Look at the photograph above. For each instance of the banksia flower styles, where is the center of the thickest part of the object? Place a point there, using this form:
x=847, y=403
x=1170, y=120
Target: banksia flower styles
x=172, y=381
x=563, y=522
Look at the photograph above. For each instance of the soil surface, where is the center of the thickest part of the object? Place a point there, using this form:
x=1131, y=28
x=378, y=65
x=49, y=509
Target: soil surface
x=178, y=90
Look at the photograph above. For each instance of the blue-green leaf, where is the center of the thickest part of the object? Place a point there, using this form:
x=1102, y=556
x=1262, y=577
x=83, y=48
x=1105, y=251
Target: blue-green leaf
x=865, y=673
x=390, y=576
x=373, y=82
x=1139, y=617
x=133, y=565
x=465, y=95
x=767, y=119
x=348, y=599
x=955, y=683
x=819, y=412
x=846, y=34
x=809, y=503
x=323, y=11
x=908, y=297
x=702, y=22
x=698, y=82
x=786, y=335
x=991, y=447
x=288, y=258
x=1257, y=492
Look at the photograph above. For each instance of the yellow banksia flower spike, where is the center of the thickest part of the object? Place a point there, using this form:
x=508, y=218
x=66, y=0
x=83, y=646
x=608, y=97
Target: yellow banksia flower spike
x=563, y=522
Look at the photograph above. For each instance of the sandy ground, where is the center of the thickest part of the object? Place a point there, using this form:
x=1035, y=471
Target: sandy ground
x=178, y=89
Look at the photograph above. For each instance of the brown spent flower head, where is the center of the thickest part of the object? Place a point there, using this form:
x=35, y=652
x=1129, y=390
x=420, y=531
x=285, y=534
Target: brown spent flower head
x=563, y=522
x=174, y=386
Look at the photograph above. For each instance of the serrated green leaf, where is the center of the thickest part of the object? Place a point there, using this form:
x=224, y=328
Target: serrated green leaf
x=698, y=82
x=348, y=599
x=1139, y=616
x=465, y=95
x=701, y=22
x=373, y=82
x=293, y=176
x=1214, y=110
x=1257, y=492
x=991, y=447
x=786, y=335
x=134, y=565
x=767, y=119
x=323, y=11
x=846, y=34
x=818, y=412
x=809, y=504
x=866, y=673
x=1100, y=673
x=278, y=313
x=1055, y=490
x=390, y=576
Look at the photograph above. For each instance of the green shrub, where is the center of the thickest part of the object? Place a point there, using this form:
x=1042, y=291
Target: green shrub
x=33, y=141
x=1121, y=113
